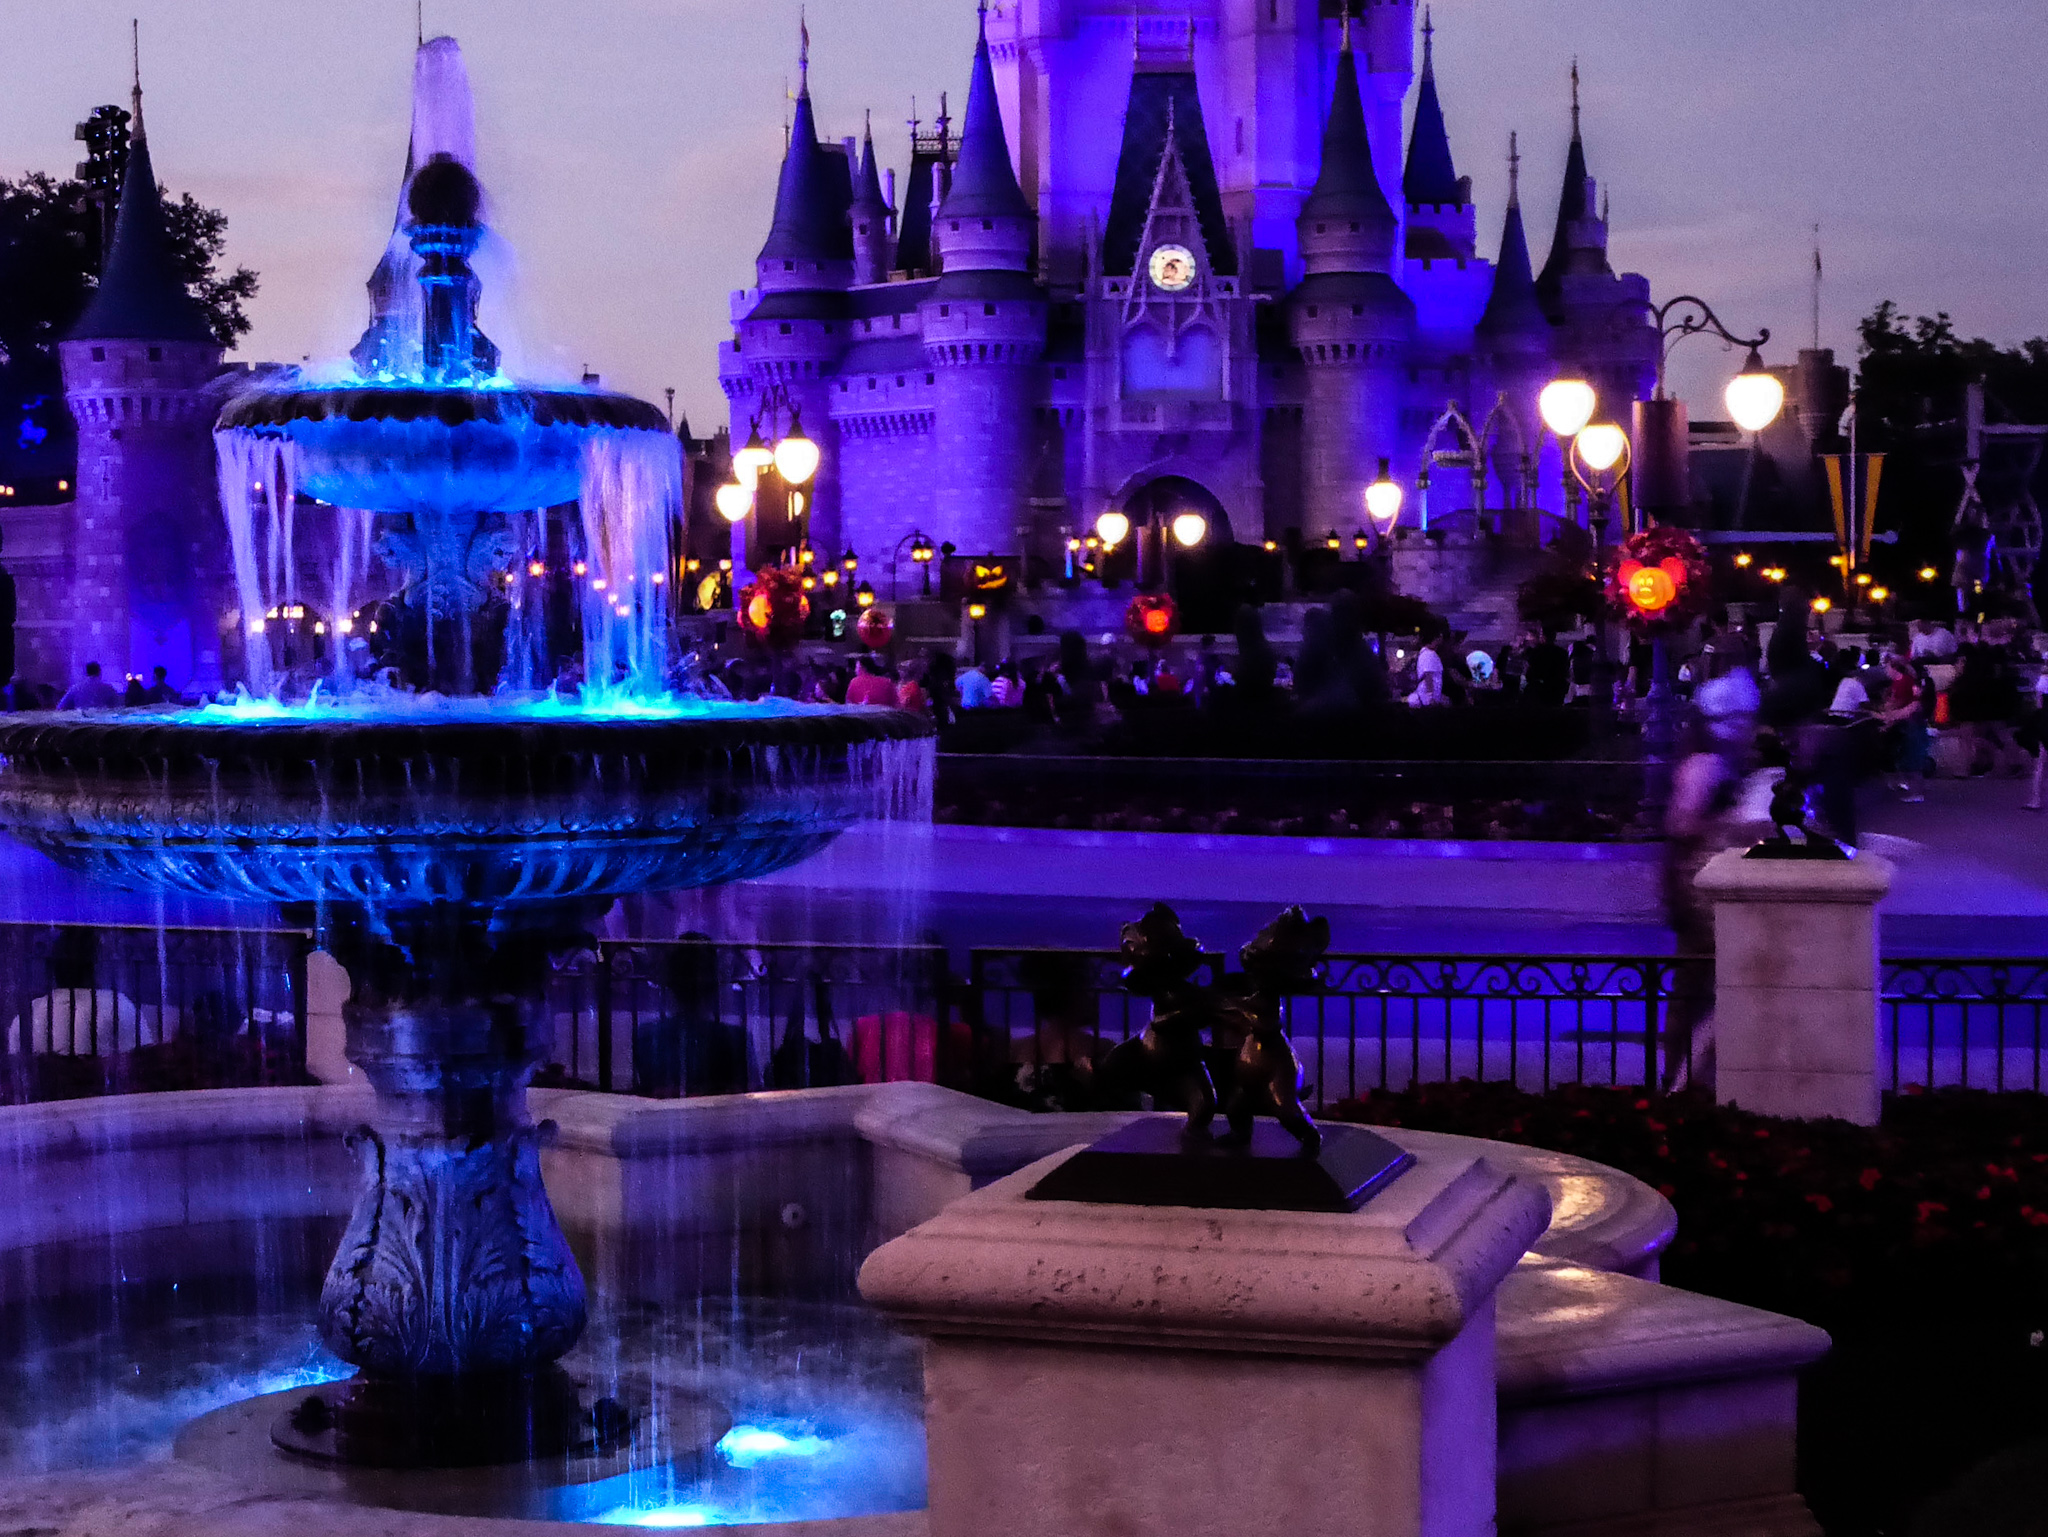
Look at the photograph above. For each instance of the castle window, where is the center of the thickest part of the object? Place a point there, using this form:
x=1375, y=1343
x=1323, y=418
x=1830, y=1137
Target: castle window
x=1059, y=373
x=1314, y=310
x=1240, y=136
x=868, y=324
x=956, y=226
x=896, y=322
x=1354, y=226
x=789, y=266
x=156, y=354
x=99, y=354
x=1358, y=309
x=1322, y=229
x=988, y=309
x=786, y=328
x=899, y=381
x=946, y=310
x=988, y=224
x=873, y=382
x=931, y=378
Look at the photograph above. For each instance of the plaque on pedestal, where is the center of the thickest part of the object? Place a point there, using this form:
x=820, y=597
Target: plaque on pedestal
x=1154, y=1162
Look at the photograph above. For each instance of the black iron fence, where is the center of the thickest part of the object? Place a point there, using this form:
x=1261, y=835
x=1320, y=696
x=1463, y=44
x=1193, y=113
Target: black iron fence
x=1963, y=1023
x=94, y=1010
x=1030, y=1025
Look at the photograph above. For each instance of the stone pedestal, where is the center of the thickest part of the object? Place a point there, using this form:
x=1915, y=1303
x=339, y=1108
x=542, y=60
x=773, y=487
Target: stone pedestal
x=1190, y=1373
x=1795, y=984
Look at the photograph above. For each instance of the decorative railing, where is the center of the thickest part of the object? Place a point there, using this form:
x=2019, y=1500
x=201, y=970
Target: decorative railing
x=1962, y=1023
x=98, y=1010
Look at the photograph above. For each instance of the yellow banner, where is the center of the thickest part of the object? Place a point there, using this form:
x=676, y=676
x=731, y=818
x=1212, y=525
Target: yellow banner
x=1834, y=464
x=1873, y=472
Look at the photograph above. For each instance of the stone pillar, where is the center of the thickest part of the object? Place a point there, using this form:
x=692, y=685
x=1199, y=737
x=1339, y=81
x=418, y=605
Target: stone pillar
x=1188, y=1373
x=1795, y=984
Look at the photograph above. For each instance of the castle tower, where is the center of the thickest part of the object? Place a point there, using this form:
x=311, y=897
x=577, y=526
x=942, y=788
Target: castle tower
x=873, y=245
x=1351, y=323
x=1603, y=318
x=791, y=328
x=1513, y=339
x=984, y=335
x=150, y=585
x=1442, y=224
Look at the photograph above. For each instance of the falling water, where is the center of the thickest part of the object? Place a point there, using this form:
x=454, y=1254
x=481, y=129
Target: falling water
x=632, y=497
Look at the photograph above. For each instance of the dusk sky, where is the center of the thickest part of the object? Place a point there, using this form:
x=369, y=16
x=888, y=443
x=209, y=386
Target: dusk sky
x=630, y=147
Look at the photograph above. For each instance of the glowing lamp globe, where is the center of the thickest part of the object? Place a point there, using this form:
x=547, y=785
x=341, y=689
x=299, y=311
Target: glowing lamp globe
x=753, y=458
x=1383, y=501
x=1566, y=405
x=1602, y=446
x=1755, y=397
x=734, y=501
x=796, y=456
x=1113, y=528
x=1190, y=529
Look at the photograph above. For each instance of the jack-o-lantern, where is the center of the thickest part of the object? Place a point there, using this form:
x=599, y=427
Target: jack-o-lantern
x=1661, y=580
x=1152, y=619
x=773, y=608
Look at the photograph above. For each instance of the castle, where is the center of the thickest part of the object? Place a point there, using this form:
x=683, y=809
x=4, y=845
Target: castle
x=1218, y=305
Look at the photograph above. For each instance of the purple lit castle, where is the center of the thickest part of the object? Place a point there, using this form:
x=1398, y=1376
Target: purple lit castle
x=1171, y=257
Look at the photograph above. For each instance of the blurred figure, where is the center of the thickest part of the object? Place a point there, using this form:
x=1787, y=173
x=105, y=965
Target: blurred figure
x=92, y=692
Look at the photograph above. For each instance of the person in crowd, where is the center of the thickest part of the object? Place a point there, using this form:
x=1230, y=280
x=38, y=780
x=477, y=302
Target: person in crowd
x=1256, y=675
x=1429, y=674
x=2033, y=735
x=160, y=690
x=92, y=692
x=871, y=683
x=1006, y=689
x=975, y=691
x=1584, y=664
x=134, y=696
x=1984, y=698
x=940, y=681
x=1932, y=642
x=911, y=693
x=1547, y=669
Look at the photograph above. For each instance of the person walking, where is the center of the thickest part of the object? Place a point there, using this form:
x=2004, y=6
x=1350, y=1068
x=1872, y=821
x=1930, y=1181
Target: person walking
x=92, y=692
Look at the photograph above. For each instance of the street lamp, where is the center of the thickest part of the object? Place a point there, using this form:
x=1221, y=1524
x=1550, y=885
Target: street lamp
x=753, y=458
x=1190, y=529
x=1755, y=397
x=796, y=456
x=864, y=595
x=1566, y=405
x=921, y=551
x=1112, y=528
x=1383, y=503
x=734, y=500
x=1599, y=458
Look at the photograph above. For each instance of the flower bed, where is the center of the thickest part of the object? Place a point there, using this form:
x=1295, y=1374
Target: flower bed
x=1920, y=1245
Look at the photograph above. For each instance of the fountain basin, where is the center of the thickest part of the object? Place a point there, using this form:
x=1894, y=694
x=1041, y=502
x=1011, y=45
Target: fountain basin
x=416, y=448
x=489, y=809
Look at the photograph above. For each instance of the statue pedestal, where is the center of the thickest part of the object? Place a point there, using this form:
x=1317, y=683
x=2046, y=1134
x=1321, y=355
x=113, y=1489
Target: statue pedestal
x=1202, y=1373
x=1795, y=984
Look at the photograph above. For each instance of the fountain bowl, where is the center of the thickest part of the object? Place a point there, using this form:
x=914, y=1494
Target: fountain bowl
x=408, y=447
x=473, y=805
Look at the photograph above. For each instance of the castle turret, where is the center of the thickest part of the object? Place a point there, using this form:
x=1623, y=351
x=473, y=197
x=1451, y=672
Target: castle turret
x=1514, y=338
x=873, y=245
x=984, y=334
x=1351, y=322
x=1441, y=221
x=150, y=582
x=1602, y=317
x=791, y=330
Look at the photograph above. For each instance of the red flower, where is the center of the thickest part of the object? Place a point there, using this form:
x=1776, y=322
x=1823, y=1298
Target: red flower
x=1926, y=1210
x=1820, y=1203
x=1868, y=1179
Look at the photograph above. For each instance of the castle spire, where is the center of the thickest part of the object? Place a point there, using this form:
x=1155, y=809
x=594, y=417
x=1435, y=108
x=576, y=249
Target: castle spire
x=1575, y=101
x=1578, y=244
x=135, y=94
x=1431, y=178
x=140, y=295
x=984, y=182
x=810, y=223
x=1347, y=217
x=1513, y=310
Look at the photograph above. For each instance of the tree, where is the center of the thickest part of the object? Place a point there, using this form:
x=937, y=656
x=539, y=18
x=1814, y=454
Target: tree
x=50, y=259
x=1910, y=403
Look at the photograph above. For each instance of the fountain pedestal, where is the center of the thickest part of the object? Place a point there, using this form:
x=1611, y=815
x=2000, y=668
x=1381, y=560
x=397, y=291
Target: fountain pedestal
x=1190, y=1372
x=453, y=1289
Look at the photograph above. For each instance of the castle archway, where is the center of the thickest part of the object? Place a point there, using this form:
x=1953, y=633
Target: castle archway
x=1168, y=496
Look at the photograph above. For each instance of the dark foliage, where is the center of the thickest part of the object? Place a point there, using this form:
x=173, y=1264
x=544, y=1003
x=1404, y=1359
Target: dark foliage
x=1565, y=586
x=190, y=1061
x=49, y=264
x=1920, y=1245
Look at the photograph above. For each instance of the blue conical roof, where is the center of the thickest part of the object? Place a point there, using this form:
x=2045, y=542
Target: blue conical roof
x=141, y=297
x=1347, y=187
x=1431, y=177
x=1513, y=309
x=810, y=203
x=984, y=181
x=867, y=181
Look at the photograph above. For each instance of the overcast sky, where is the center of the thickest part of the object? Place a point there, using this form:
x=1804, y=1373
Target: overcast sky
x=630, y=147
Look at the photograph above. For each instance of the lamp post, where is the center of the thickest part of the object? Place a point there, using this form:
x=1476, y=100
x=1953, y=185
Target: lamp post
x=1599, y=459
x=1383, y=506
x=793, y=459
x=1663, y=449
x=1566, y=405
x=921, y=551
x=1112, y=528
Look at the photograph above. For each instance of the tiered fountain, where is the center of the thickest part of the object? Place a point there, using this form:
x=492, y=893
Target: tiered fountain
x=441, y=849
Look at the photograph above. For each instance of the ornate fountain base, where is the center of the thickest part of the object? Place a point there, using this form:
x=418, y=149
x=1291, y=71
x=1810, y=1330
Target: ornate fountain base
x=480, y=1419
x=453, y=1289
